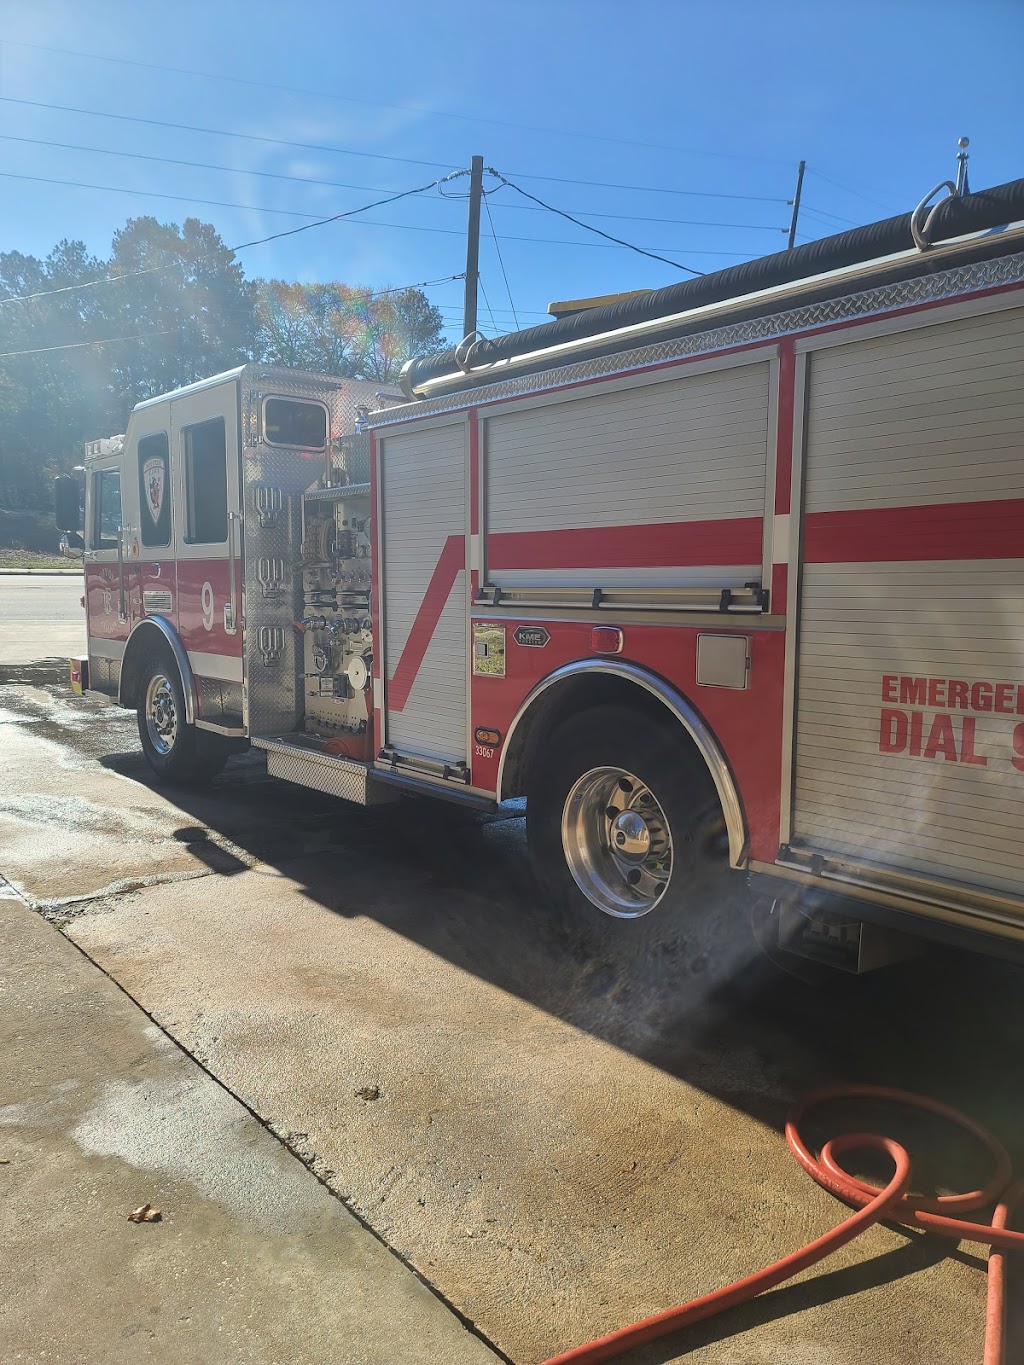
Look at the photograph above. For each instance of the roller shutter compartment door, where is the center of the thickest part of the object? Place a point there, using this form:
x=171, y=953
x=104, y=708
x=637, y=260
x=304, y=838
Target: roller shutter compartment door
x=424, y=591
x=690, y=449
x=910, y=678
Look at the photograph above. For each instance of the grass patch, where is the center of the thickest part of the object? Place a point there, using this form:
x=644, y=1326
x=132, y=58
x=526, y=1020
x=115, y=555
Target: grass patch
x=32, y=559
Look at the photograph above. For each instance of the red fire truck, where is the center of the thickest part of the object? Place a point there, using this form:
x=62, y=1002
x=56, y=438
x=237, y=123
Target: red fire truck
x=754, y=541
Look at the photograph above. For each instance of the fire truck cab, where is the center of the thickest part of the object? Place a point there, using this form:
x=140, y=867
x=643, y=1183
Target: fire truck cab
x=200, y=549
x=751, y=545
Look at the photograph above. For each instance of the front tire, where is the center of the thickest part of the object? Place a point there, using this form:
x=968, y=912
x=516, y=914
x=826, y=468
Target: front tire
x=625, y=837
x=175, y=750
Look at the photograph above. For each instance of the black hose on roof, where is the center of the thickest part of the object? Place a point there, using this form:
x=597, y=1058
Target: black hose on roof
x=955, y=216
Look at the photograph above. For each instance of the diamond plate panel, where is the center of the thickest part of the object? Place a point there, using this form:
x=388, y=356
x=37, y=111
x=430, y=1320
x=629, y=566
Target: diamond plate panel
x=945, y=284
x=104, y=674
x=273, y=482
x=218, y=698
x=336, y=776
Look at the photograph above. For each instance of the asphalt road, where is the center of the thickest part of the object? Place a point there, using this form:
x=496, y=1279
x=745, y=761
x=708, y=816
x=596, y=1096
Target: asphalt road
x=558, y=1142
x=41, y=617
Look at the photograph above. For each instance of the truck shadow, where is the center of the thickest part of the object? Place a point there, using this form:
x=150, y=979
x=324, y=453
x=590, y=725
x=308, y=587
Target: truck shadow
x=950, y=1022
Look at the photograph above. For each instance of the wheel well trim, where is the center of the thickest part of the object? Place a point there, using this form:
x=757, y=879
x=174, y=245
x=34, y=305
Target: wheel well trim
x=687, y=716
x=173, y=640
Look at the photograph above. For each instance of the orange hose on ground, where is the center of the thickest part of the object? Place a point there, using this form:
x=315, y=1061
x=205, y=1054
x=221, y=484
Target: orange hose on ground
x=892, y=1203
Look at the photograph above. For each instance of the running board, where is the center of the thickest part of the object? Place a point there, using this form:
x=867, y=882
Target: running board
x=293, y=760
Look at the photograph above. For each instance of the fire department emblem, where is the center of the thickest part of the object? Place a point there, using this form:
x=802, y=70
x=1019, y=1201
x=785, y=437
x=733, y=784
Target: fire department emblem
x=153, y=474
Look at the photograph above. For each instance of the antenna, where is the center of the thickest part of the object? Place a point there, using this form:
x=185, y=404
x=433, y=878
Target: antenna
x=962, y=155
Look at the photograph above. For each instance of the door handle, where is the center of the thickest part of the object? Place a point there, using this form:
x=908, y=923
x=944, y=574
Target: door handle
x=122, y=599
x=231, y=607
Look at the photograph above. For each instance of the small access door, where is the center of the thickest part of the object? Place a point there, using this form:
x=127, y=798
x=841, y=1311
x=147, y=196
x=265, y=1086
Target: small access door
x=422, y=544
x=204, y=466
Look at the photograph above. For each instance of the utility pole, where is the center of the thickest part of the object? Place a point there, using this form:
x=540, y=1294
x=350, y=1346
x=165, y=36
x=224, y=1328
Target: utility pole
x=476, y=187
x=796, y=205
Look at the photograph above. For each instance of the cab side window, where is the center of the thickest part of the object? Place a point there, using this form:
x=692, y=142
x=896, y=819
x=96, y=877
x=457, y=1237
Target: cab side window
x=155, y=490
x=106, y=509
x=206, y=483
x=290, y=422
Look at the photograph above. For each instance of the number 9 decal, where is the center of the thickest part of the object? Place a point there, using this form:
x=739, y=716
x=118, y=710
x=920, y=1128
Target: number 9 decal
x=208, y=606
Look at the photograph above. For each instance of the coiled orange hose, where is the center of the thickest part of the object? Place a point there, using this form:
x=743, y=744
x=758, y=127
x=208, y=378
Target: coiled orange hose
x=873, y=1204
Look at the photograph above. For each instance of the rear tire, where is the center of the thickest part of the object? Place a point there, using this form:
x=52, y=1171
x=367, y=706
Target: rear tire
x=626, y=842
x=175, y=750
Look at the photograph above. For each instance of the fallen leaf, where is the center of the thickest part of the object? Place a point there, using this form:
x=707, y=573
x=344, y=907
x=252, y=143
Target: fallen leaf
x=145, y=1213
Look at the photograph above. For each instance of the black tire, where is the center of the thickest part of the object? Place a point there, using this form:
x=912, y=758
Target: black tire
x=696, y=926
x=176, y=751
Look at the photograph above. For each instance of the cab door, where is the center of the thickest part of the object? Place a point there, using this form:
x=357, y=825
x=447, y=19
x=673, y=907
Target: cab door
x=149, y=486
x=107, y=586
x=206, y=525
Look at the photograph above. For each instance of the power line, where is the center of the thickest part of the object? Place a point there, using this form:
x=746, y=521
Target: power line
x=222, y=77
x=823, y=215
x=377, y=223
x=849, y=189
x=289, y=232
x=646, y=189
x=497, y=248
x=487, y=302
x=197, y=165
x=643, y=251
x=346, y=185
x=223, y=132
x=380, y=156
x=158, y=194
x=143, y=336
x=420, y=284
x=79, y=345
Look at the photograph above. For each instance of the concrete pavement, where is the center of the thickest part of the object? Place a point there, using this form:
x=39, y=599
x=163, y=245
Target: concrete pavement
x=40, y=617
x=252, y=1260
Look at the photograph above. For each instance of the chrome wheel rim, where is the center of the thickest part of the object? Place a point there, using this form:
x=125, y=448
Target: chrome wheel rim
x=617, y=842
x=161, y=714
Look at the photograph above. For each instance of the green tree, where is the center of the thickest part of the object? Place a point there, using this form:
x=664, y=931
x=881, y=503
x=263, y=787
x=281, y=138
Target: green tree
x=186, y=297
x=340, y=330
x=184, y=311
x=50, y=398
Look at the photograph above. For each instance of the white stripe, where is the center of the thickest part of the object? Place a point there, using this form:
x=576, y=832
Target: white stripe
x=223, y=667
x=780, y=538
x=105, y=649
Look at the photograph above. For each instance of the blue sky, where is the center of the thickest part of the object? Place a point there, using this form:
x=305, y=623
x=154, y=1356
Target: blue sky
x=693, y=114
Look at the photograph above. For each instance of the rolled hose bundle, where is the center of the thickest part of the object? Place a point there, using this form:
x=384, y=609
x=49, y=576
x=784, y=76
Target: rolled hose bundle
x=873, y=1204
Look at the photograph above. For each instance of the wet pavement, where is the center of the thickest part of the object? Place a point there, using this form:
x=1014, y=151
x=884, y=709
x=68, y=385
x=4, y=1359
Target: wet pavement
x=557, y=1141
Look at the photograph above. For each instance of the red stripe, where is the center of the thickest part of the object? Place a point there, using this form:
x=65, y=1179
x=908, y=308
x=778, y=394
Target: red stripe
x=442, y=580
x=948, y=530
x=779, y=589
x=668, y=544
x=378, y=720
x=784, y=434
